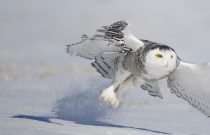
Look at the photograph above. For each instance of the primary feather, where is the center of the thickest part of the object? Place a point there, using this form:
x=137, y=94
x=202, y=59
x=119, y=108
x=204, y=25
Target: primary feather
x=191, y=82
x=114, y=38
x=106, y=46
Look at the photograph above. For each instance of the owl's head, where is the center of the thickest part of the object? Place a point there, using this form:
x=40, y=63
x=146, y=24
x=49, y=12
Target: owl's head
x=159, y=61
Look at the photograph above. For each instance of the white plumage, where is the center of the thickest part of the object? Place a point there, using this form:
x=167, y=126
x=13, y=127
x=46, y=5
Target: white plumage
x=192, y=83
x=128, y=61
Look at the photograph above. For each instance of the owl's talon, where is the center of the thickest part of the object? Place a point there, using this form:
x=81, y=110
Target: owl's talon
x=108, y=96
x=115, y=103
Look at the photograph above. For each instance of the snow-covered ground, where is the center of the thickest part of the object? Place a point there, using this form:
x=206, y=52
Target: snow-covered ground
x=46, y=99
x=45, y=91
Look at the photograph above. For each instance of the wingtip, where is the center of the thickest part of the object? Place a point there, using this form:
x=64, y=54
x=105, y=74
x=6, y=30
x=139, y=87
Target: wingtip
x=161, y=96
x=67, y=49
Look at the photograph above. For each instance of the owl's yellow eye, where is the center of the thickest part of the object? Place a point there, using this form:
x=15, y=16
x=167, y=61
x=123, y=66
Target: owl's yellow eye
x=158, y=56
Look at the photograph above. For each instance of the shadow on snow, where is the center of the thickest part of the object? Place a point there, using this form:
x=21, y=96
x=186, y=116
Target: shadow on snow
x=91, y=123
x=82, y=108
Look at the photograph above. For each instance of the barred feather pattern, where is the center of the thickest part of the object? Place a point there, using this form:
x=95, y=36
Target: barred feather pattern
x=106, y=65
x=107, y=39
x=114, y=34
x=195, y=99
x=152, y=90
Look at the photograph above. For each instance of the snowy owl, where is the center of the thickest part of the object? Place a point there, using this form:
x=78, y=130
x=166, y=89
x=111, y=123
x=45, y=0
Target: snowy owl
x=118, y=55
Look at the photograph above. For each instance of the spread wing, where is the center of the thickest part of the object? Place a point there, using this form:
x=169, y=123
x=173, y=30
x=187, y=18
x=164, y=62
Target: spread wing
x=106, y=46
x=115, y=38
x=191, y=82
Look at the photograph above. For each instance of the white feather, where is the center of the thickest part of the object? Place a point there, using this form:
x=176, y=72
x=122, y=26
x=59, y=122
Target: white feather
x=131, y=41
x=90, y=48
x=192, y=83
x=103, y=42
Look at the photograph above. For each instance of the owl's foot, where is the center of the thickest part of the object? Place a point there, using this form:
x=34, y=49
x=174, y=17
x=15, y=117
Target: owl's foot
x=108, y=95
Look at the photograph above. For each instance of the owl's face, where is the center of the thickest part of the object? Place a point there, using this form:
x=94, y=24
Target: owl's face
x=159, y=63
